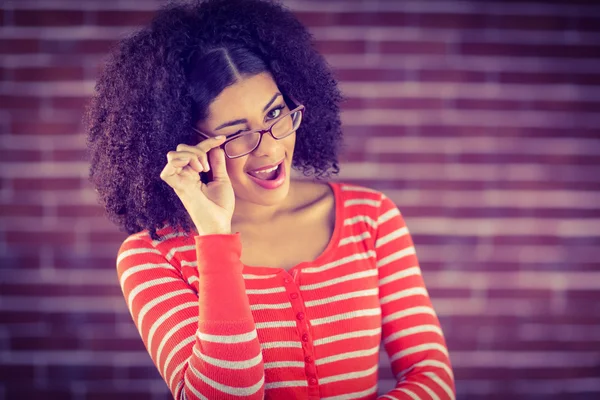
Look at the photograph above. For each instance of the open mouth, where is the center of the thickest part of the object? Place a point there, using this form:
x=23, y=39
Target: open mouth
x=270, y=174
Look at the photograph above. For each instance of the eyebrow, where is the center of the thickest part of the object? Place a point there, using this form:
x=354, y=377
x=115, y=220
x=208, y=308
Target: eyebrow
x=243, y=121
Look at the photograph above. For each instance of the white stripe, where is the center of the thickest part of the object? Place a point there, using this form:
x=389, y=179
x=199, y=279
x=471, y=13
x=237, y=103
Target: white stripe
x=354, y=239
x=171, y=235
x=348, y=355
x=354, y=395
x=349, y=315
x=228, y=339
x=386, y=216
x=360, y=218
x=408, y=312
x=192, y=264
x=358, y=202
x=172, y=331
x=341, y=261
x=148, y=306
x=400, y=275
x=442, y=384
x=174, y=374
x=266, y=291
x=246, y=364
x=416, y=291
x=276, y=385
x=174, y=351
x=349, y=335
x=396, y=256
x=284, y=364
x=251, y=276
x=233, y=390
x=192, y=279
x=412, y=331
x=166, y=315
x=148, y=284
x=137, y=236
x=275, y=324
x=426, y=363
x=349, y=375
x=356, y=275
x=282, y=344
x=428, y=390
x=131, y=252
x=278, y=306
x=391, y=236
x=344, y=296
x=409, y=392
x=179, y=249
x=195, y=392
x=418, y=349
x=142, y=267
x=351, y=188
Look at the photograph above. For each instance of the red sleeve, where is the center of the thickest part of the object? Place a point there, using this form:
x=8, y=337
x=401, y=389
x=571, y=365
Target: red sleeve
x=411, y=331
x=203, y=344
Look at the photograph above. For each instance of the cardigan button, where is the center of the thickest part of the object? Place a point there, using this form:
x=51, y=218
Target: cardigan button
x=312, y=381
x=300, y=316
x=294, y=295
x=305, y=337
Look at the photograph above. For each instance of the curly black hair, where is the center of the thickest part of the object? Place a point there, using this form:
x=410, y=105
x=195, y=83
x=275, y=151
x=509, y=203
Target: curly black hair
x=159, y=82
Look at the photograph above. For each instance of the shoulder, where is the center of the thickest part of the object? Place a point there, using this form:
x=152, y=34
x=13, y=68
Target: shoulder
x=141, y=243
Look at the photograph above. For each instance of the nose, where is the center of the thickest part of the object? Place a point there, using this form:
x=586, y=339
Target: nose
x=268, y=146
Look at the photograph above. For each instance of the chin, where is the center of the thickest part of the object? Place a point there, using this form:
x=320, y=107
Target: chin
x=264, y=192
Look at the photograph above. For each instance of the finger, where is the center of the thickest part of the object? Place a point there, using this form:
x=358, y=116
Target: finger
x=198, y=162
x=191, y=151
x=208, y=144
x=217, y=160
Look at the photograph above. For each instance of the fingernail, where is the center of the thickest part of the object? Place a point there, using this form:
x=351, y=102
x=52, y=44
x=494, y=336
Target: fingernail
x=219, y=137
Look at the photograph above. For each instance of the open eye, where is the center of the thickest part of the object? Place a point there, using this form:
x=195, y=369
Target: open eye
x=277, y=111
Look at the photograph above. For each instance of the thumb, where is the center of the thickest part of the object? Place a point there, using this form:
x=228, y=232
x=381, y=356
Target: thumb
x=217, y=164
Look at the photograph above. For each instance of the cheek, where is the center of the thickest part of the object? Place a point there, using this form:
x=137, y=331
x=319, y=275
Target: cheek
x=235, y=167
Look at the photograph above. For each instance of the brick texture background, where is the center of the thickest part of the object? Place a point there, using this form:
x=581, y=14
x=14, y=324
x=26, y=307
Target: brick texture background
x=480, y=119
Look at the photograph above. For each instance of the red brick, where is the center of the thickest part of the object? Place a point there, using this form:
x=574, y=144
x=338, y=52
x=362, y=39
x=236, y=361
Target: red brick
x=87, y=46
x=19, y=46
x=370, y=74
x=122, y=17
x=59, y=290
x=21, y=155
x=47, y=17
x=448, y=75
x=82, y=211
x=68, y=155
x=529, y=50
x=21, y=210
x=64, y=73
x=39, y=237
x=46, y=184
x=14, y=260
x=413, y=47
x=46, y=128
x=341, y=46
x=17, y=102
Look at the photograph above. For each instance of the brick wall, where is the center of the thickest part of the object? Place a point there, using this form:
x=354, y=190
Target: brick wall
x=479, y=119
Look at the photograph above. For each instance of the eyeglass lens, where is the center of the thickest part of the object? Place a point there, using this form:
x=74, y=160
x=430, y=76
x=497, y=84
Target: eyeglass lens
x=247, y=143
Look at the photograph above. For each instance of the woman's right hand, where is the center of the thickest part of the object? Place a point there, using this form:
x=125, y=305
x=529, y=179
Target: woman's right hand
x=211, y=205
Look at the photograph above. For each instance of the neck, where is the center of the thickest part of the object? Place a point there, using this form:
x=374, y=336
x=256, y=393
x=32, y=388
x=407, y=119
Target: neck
x=252, y=214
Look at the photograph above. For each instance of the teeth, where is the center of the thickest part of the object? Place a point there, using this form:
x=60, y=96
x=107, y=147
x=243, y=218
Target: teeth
x=266, y=171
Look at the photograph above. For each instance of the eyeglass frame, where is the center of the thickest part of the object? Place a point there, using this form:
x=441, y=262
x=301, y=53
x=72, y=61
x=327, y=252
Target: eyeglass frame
x=300, y=107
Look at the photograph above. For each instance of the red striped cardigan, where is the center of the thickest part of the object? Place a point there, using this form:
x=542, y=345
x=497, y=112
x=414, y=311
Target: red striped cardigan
x=218, y=329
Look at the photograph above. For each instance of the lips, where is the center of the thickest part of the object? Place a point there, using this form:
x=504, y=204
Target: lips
x=266, y=167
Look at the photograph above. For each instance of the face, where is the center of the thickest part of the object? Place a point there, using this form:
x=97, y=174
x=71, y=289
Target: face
x=256, y=100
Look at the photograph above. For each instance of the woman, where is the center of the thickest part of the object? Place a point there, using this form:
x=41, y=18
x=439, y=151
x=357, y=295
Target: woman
x=242, y=282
